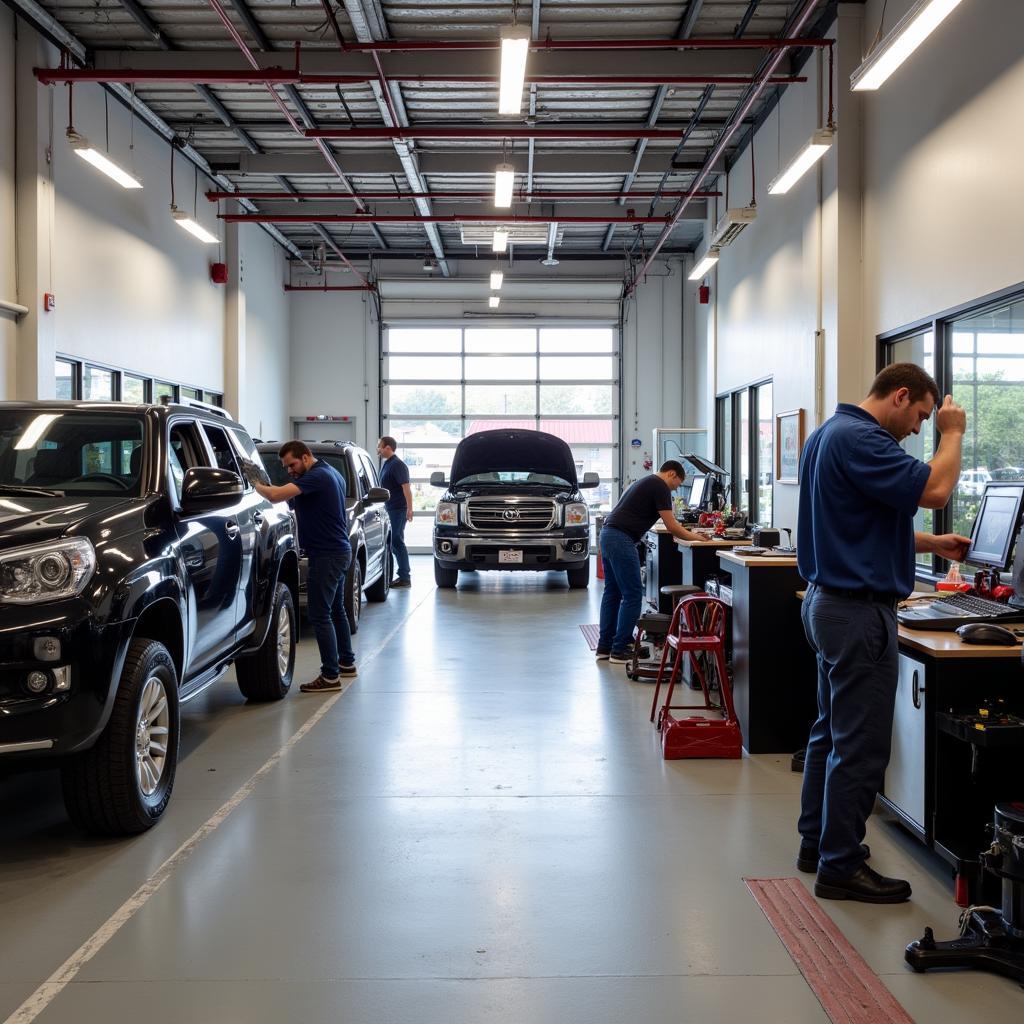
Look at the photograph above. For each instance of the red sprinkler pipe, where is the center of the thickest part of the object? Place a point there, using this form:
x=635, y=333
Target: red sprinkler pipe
x=561, y=133
x=737, y=119
x=521, y=196
x=434, y=218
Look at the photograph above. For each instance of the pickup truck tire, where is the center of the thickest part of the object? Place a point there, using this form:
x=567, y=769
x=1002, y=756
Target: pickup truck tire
x=267, y=675
x=379, y=590
x=579, y=579
x=354, y=593
x=446, y=579
x=121, y=785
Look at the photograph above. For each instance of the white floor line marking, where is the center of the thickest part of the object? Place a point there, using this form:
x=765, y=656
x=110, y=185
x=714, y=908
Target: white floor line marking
x=65, y=974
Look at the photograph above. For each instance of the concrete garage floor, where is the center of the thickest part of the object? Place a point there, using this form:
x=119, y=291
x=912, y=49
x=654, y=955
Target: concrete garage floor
x=481, y=829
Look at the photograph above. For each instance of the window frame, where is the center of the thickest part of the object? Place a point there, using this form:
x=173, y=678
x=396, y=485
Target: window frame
x=731, y=460
x=80, y=365
x=941, y=327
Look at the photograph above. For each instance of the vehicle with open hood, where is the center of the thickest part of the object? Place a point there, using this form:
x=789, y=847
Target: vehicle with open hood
x=513, y=502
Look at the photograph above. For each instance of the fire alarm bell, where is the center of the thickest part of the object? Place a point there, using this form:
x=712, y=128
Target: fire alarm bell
x=49, y=301
x=705, y=294
x=219, y=273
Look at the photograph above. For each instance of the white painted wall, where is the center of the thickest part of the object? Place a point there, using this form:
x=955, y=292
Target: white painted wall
x=8, y=275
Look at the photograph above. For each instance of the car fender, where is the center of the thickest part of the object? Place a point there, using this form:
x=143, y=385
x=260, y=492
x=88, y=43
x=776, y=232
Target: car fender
x=286, y=570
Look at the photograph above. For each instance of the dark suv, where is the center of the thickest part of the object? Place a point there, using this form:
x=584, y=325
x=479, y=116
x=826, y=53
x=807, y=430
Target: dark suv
x=369, y=528
x=513, y=502
x=136, y=564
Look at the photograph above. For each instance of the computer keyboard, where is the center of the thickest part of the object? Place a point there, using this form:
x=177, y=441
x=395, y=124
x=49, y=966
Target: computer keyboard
x=953, y=610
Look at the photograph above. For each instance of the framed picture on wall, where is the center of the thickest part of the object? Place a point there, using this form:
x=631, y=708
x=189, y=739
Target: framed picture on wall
x=789, y=439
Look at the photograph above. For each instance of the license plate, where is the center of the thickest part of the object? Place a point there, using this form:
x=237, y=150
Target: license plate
x=510, y=558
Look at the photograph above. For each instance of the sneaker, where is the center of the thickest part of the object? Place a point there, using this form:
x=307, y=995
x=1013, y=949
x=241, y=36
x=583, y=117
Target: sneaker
x=620, y=657
x=321, y=685
x=348, y=670
x=601, y=655
x=398, y=584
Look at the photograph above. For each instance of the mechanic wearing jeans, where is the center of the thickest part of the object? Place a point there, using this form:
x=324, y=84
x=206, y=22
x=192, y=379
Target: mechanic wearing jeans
x=318, y=497
x=394, y=475
x=859, y=493
x=637, y=511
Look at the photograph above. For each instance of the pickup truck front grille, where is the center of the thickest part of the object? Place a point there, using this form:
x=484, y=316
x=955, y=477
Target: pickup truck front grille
x=530, y=514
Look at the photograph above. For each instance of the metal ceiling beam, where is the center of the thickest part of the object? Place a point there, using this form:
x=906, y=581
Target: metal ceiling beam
x=566, y=131
x=545, y=67
x=578, y=163
x=549, y=45
x=369, y=24
x=523, y=197
x=534, y=34
x=400, y=213
x=265, y=126
x=433, y=218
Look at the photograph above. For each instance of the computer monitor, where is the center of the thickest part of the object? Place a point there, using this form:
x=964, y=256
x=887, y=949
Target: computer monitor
x=698, y=486
x=996, y=527
x=703, y=465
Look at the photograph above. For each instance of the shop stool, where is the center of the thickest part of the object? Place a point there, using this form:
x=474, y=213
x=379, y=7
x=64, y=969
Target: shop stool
x=698, y=625
x=653, y=628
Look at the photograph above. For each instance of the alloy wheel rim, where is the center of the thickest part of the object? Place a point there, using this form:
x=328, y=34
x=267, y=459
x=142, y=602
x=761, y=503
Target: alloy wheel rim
x=284, y=641
x=152, y=730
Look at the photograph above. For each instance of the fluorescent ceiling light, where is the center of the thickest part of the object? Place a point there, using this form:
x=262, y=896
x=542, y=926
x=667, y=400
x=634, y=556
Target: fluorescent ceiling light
x=515, y=44
x=496, y=278
x=494, y=301
x=80, y=144
x=192, y=227
x=909, y=33
x=818, y=146
x=499, y=243
x=504, y=180
x=710, y=259
x=35, y=430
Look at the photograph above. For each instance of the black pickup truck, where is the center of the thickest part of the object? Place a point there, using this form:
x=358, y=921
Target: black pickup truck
x=136, y=565
x=513, y=503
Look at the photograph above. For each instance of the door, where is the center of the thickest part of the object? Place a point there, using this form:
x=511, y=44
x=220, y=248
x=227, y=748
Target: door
x=905, y=776
x=211, y=552
x=373, y=521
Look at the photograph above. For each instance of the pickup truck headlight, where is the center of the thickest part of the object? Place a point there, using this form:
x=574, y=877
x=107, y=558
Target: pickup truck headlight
x=46, y=572
x=577, y=514
x=447, y=514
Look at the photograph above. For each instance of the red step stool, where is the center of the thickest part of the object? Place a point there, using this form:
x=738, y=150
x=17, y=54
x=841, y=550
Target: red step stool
x=698, y=624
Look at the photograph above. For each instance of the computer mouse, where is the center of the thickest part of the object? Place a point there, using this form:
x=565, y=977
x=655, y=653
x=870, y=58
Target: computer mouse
x=985, y=633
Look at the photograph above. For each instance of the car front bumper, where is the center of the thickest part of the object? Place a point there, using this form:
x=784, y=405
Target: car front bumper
x=460, y=549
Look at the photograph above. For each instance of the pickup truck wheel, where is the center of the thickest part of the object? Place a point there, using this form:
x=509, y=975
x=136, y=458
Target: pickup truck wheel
x=267, y=674
x=579, y=579
x=122, y=784
x=354, y=594
x=446, y=579
x=379, y=590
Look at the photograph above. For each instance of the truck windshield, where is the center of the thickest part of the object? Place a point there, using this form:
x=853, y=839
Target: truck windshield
x=515, y=477
x=49, y=451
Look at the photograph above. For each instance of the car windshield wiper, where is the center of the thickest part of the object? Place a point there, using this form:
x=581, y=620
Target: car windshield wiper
x=35, y=492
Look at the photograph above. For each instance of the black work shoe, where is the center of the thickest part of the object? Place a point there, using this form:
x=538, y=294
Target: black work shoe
x=864, y=885
x=807, y=858
x=601, y=655
x=398, y=584
x=348, y=670
x=620, y=657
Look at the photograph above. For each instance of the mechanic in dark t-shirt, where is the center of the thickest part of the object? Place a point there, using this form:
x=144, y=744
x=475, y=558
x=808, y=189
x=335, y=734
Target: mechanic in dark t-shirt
x=318, y=496
x=643, y=504
x=394, y=475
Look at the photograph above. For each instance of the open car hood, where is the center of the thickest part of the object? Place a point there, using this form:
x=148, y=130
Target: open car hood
x=513, y=451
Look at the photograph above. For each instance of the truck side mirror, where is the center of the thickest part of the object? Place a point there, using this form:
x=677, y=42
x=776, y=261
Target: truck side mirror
x=590, y=480
x=437, y=479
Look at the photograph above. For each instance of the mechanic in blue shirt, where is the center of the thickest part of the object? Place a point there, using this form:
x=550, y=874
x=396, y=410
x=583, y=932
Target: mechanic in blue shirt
x=859, y=493
x=394, y=475
x=318, y=497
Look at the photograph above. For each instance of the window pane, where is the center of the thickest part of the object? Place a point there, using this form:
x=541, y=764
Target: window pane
x=920, y=350
x=577, y=368
x=133, y=389
x=420, y=339
x=765, y=453
x=501, y=339
x=741, y=487
x=193, y=393
x=64, y=372
x=475, y=426
x=501, y=367
x=576, y=400
x=424, y=431
x=97, y=384
x=424, y=368
x=160, y=388
x=424, y=400
x=724, y=445
x=603, y=461
x=501, y=399
x=423, y=461
x=577, y=339
x=575, y=432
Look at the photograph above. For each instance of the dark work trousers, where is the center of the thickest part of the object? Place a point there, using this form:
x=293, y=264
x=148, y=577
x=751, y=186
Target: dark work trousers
x=325, y=604
x=398, y=548
x=623, y=591
x=848, y=750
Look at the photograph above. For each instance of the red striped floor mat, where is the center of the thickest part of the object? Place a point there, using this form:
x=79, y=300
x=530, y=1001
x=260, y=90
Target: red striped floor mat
x=848, y=990
x=590, y=635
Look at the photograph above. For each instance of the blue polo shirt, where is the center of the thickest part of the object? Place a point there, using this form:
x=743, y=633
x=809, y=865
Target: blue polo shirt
x=320, y=510
x=859, y=493
x=393, y=474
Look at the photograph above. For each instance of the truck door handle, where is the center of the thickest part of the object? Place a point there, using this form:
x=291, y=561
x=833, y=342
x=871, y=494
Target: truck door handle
x=257, y=517
x=231, y=529
x=916, y=690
